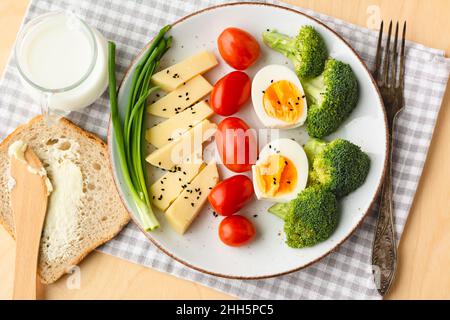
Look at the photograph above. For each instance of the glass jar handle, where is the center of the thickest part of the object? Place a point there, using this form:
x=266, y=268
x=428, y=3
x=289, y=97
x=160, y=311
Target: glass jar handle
x=51, y=116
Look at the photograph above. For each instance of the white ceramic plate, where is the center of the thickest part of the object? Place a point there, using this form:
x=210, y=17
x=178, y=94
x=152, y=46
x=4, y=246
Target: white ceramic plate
x=268, y=255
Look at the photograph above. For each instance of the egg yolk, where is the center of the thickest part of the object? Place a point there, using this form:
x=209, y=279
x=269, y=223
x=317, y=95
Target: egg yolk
x=275, y=176
x=283, y=101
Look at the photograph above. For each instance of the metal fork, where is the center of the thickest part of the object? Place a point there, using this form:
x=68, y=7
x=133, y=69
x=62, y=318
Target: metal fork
x=391, y=80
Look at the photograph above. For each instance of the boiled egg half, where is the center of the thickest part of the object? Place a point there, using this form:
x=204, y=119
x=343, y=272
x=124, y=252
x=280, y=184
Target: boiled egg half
x=278, y=97
x=281, y=171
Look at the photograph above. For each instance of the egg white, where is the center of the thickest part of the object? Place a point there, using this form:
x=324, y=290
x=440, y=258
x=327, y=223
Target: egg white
x=261, y=81
x=292, y=151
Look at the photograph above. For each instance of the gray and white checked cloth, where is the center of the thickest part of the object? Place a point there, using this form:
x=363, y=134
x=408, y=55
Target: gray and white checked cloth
x=343, y=274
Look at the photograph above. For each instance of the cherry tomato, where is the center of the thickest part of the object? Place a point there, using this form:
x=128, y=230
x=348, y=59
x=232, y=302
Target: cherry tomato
x=236, y=230
x=230, y=195
x=230, y=93
x=236, y=144
x=238, y=48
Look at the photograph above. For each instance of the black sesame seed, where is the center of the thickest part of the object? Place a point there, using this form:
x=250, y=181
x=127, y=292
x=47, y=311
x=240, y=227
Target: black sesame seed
x=192, y=204
x=167, y=71
x=288, y=182
x=255, y=216
x=180, y=96
x=157, y=95
x=164, y=109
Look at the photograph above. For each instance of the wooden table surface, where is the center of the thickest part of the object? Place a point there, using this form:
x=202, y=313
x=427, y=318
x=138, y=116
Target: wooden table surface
x=424, y=254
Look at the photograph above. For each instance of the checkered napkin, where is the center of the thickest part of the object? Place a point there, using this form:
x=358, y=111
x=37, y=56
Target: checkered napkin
x=343, y=274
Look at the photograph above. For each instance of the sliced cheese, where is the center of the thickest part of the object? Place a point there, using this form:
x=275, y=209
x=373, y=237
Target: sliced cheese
x=187, y=206
x=186, y=146
x=178, y=100
x=171, y=78
x=172, y=128
x=165, y=190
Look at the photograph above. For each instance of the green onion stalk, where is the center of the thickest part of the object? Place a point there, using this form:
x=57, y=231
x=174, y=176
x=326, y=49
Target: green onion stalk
x=129, y=134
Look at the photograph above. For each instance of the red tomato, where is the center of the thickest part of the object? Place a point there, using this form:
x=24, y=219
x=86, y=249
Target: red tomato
x=230, y=93
x=230, y=195
x=236, y=230
x=238, y=48
x=236, y=144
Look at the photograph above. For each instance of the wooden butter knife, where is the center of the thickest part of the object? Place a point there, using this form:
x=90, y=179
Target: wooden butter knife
x=29, y=204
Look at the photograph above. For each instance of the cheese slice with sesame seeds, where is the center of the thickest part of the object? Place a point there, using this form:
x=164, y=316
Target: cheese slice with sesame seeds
x=178, y=100
x=187, y=146
x=166, y=189
x=173, y=77
x=183, y=211
x=175, y=126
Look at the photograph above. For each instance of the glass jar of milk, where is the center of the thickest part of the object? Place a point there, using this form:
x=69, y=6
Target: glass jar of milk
x=62, y=62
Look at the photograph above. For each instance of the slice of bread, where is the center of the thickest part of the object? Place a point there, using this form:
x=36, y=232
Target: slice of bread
x=100, y=214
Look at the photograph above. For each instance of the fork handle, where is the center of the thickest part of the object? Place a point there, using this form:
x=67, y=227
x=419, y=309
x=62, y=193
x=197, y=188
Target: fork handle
x=384, y=252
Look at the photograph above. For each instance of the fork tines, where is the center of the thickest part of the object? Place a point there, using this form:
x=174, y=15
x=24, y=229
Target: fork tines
x=387, y=74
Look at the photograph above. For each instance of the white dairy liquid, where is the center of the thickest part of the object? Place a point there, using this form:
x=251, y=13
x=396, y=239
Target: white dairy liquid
x=57, y=53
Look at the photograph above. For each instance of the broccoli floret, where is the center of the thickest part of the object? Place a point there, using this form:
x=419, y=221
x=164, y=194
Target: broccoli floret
x=340, y=166
x=331, y=97
x=307, y=50
x=310, y=218
x=312, y=148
